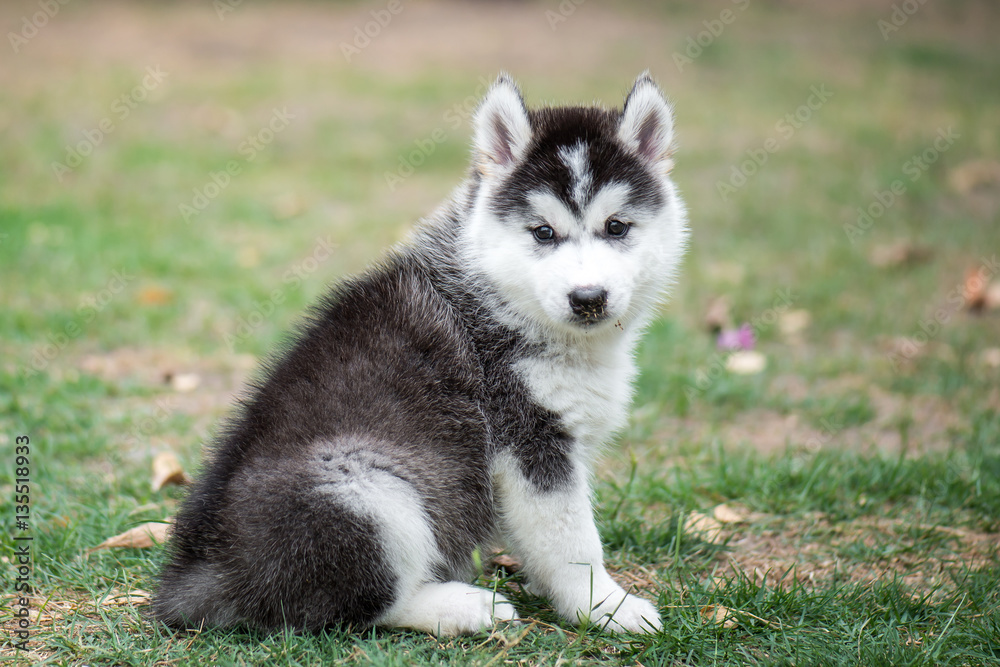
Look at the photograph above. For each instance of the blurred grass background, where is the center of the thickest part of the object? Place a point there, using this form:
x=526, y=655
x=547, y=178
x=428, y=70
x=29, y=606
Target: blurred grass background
x=129, y=322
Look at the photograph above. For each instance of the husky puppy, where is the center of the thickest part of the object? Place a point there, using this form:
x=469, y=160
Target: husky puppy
x=456, y=393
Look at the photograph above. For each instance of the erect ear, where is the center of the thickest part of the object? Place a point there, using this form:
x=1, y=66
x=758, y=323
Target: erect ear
x=647, y=123
x=502, y=130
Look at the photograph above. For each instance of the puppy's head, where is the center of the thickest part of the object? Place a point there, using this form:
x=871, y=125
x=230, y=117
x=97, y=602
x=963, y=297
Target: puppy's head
x=576, y=222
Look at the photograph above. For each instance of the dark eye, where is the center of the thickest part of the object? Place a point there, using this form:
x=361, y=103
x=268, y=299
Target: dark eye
x=616, y=227
x=544, y=233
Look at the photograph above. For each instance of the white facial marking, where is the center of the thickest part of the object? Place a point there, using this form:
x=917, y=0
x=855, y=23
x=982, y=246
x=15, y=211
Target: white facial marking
x=575, y=159
x=584, y=258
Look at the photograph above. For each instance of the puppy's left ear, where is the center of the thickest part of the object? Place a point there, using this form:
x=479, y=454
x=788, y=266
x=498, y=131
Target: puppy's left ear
x=647, y=123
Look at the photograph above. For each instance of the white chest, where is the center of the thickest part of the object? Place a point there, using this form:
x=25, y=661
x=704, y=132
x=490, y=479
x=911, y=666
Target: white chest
x=590, y=392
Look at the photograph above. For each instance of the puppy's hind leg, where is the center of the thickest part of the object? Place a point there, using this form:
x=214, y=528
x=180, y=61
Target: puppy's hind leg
x=450, y=608
x=422, y=601
x=373, y=486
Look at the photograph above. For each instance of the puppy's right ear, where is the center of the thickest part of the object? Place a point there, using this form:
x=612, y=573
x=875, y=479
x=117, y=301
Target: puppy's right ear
x=502, y=130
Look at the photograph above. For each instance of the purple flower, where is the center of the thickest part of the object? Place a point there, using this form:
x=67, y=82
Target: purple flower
x=736, y=339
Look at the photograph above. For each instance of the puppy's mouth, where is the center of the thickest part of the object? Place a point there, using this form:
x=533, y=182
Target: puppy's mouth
x=589, y=320
x=588, y=305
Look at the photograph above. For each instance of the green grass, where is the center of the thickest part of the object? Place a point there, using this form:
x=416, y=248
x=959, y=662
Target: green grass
x=869, y=495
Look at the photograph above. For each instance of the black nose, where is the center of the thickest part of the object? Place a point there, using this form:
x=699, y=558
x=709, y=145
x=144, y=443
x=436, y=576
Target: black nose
x=588, y=302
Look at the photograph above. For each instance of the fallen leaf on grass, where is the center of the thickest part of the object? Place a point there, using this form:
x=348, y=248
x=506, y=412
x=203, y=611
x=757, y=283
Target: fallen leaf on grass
x=897, y=254
x=746, y=362
x=505, y=561
x=719, y=615
x=140, y=537
x=717, y=316
x=153, y=295
x=991, y=357
x=992, y=296
x=703, y=526
x=974, y=174
x=136, y=596
x=979, y=294
x=168, y=470
x=974, y=290
x=725, y=514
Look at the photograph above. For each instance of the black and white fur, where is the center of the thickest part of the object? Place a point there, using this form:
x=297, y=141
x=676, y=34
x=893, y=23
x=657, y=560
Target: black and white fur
x=456, y=393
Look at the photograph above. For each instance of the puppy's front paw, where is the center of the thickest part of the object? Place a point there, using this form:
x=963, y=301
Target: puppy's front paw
x=620, y=612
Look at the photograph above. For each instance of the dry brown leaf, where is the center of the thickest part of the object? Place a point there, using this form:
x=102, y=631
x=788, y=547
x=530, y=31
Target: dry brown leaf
x=991, y=357
x=726, y=514
x=168, y=470
x=992, y=297
x=705, y=527
x=506, y=561
x=974, y=174
x=897, y=254
x=974, y=290
x=153, y=295
x=719, y=615
x=140, y=537
x=717, y=315
x=136, y=596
